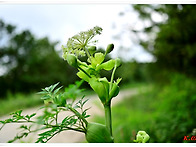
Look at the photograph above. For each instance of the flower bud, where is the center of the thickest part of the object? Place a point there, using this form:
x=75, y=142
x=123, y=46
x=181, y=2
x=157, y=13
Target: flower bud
x=98, y=133
x=118, y=62
x=142, y=137
x=109, y=48
x=92, y=49
x=72, y=60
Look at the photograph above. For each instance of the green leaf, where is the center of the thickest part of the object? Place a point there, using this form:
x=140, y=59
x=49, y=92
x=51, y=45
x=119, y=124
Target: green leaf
x=114, y=91
x=65, y=120
x=45, y=97
x=53, y=86
x=24, y=127
x=43, y=92
x=108, y=65
x=100, y=87
x=32, y=115
x=99, y=57
x=83, y=76
x=86, y=116
x=57, y=90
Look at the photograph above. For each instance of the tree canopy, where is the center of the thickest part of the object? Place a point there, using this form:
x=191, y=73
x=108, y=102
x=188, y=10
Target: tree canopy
x=173, y=42
x=29, y=63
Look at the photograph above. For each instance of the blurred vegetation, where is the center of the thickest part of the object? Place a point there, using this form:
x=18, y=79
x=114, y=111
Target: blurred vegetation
x=167, y=110
x=166, y=113
x=30, y=63
x=18, y=101
x=171, y=41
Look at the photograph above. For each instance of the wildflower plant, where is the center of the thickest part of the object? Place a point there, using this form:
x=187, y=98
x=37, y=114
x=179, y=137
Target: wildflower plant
x=57, y=101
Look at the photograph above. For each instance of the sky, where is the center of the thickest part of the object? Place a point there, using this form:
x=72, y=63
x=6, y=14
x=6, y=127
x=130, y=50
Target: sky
x=61, y=21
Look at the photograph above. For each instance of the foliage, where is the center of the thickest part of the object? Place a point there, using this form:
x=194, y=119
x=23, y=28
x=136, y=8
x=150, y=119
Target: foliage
x=165, y=112
x=48, y=122
x=171, y=40
x=28, y=62
x=176, y=107
x=138, y=72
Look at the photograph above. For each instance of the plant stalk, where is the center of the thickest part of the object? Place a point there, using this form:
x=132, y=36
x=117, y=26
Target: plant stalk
x=108, y=117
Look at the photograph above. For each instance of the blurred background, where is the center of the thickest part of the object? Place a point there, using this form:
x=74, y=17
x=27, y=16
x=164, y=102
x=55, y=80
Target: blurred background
x=155, y=42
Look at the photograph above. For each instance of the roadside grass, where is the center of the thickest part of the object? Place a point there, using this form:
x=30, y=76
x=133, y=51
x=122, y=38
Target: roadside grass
x=166, y=113
x=17, y=101
x=130, y=116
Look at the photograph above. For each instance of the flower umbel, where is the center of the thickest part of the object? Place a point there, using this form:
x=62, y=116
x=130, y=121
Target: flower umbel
x=79, y=43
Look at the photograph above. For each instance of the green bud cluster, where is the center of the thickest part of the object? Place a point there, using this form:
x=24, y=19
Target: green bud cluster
x=142, y=137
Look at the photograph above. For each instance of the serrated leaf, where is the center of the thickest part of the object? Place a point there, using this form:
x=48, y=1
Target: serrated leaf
x=24, y=127
x=32, y=115
x=86, y=116
x=27, y=116
x=53, y=87
x=42, y=92
x=84, y=102
x=45, y=97
x=3, y=122
x=65, y=119
x=18, y=112
x=57, y=90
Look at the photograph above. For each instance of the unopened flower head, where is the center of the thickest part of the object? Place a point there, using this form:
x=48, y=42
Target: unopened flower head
x=79, y=43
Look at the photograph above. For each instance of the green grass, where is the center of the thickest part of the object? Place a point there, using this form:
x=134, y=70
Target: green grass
x=131, y=115
x=19, y=101
x=166, y=113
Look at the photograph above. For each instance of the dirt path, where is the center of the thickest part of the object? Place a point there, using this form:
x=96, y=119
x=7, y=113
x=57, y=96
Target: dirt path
x=10, y=130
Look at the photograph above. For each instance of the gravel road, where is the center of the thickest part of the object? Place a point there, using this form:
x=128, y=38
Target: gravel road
x=10, y=130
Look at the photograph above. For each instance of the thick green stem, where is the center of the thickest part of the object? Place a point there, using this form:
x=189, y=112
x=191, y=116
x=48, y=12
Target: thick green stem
x=108, y=117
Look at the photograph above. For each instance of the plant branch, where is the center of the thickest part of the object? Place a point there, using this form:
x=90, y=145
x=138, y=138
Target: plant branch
x=78, y=115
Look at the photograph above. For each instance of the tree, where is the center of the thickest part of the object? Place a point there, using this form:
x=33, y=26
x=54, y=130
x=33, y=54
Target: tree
x=29, y=63
x=172, y=40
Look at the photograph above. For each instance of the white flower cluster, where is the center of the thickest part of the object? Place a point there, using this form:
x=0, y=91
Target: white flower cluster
x=79, y=43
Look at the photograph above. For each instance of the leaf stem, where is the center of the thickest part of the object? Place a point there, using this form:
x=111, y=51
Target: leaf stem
x=112, y=77
x=87, y=53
